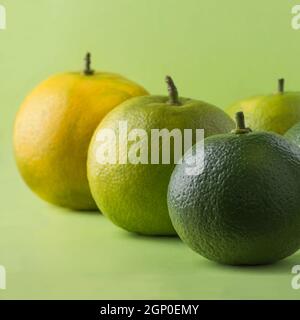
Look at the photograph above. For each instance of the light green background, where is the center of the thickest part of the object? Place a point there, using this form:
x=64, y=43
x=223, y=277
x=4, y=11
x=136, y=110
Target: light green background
x=218, y=51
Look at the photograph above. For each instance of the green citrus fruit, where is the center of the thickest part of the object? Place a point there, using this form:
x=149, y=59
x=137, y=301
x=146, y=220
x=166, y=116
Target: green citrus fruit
x=276, y=112
x=54, y=127
x=244, y=207
x=134, y=196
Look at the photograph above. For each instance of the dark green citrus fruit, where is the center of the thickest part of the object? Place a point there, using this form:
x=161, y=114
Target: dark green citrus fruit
x=134, y=195
x=244, y=207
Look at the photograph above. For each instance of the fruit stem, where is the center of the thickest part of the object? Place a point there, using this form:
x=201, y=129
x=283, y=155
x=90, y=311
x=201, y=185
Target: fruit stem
x=88, y=71
x=173, y=92
x=240, y=124
x=281, y=85
x=240, y=120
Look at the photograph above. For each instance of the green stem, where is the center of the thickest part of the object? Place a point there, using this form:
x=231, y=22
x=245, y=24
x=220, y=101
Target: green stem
x=173, y=93
x=88, y=71
x=281, y=85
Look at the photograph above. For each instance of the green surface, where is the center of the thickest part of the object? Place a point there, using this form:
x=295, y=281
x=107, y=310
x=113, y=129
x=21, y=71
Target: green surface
x=54, y=253
x=218, y=52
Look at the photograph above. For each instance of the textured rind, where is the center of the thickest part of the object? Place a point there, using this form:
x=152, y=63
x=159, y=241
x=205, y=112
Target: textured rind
x=53, y=129
x=134, y=197
x=244, y=208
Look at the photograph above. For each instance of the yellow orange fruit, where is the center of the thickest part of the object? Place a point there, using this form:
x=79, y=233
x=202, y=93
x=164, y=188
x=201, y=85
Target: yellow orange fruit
x=53, y=129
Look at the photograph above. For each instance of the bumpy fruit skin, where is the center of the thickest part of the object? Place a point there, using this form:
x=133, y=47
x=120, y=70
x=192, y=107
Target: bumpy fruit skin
x=244, y=208
x=277, y=112
x=134, y=196
x=53, y=129
x=293, y=134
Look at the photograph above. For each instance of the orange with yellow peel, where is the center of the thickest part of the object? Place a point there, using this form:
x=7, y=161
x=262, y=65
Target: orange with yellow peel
x=53, y=129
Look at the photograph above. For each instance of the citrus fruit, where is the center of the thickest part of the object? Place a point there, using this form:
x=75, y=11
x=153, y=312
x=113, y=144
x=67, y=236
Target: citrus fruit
x=244, y=206
x=53, y=129
x=276, y=112
x=293, y=134
x=133, y=195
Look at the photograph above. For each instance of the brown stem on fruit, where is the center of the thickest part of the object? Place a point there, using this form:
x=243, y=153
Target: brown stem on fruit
x=240, y=120
x=240, y=124
x=281, y=85
x=173, y=93
x=88, y=71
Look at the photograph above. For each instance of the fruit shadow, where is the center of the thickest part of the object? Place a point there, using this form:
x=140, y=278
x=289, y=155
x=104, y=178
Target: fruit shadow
x=280, y=267
x=149, y=238
x=70, y=211
x=85, y=212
